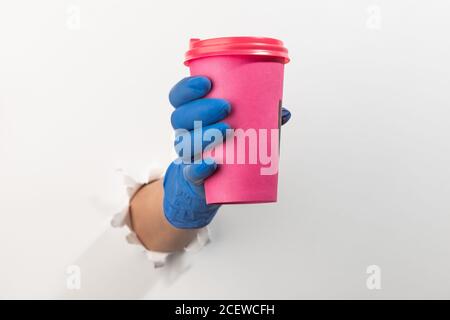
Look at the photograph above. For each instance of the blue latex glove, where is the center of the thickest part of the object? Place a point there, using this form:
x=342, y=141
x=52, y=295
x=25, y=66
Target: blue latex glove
x=184, y=193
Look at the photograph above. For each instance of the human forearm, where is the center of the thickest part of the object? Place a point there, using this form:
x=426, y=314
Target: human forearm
x=150, y=224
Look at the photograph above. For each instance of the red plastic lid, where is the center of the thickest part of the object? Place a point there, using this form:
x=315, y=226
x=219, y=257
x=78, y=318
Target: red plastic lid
x=236, y=46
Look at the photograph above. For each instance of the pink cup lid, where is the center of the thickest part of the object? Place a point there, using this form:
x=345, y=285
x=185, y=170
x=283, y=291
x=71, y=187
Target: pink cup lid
x=236, y=46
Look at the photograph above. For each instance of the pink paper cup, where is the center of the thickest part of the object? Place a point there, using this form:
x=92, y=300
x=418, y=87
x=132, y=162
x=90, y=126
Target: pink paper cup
x=248, y=72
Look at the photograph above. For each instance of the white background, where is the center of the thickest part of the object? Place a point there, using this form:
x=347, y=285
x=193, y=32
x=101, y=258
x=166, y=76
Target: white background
x=364, y=176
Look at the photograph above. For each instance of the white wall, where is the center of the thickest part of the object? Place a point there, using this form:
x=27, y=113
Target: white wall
x=364, y=172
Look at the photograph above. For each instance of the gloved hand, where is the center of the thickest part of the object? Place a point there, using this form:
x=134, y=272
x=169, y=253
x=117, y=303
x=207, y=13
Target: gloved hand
x=184, y=193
